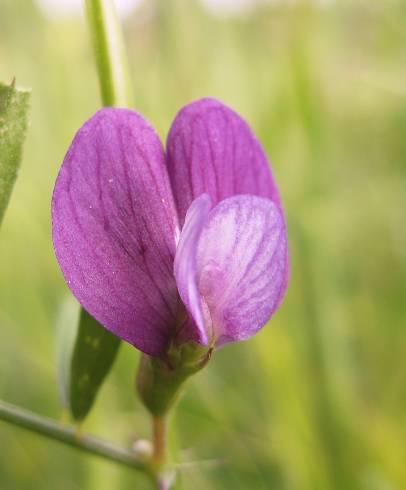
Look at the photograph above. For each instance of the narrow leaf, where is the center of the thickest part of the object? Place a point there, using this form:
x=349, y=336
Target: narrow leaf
x=67, y=325
x=93, y=355
x=14, y=106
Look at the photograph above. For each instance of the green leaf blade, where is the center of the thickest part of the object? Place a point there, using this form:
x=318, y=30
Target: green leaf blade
x=67, y=326
x=14, y=107
x=93, y=355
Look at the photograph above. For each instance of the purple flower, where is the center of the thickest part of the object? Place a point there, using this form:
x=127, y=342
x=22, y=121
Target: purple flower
x=165, y=248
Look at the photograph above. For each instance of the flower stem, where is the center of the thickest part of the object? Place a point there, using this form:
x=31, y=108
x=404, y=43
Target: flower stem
x=110, y=53
x=159, y=439
x=160, y=452
x=67, y=434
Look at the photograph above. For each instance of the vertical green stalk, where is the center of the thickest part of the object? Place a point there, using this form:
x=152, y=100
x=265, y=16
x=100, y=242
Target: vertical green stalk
x=110, y=53
x=159, y=429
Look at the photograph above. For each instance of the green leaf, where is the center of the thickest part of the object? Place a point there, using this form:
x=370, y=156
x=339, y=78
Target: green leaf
x=66, y=332
x=14, y=106
x=93, y=355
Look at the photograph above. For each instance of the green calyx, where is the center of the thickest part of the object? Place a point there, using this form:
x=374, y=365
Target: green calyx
x=159, y=381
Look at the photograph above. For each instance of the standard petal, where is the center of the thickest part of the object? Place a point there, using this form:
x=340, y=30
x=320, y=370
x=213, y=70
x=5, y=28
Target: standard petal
x=211, y=149
x=115, y=225
x=240, y=267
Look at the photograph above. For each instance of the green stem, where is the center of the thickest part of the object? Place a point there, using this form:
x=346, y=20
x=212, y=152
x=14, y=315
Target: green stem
x=159, y=438
x=159, y=462
x=68, y=434
x=110, y=53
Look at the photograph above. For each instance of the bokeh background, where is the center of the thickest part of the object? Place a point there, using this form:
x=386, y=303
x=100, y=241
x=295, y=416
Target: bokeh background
x=317, y=400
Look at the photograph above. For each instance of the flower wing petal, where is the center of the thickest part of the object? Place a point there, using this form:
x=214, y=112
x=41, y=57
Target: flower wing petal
x=240, y=267
x=211, y=149
x=114, y=226
x=185, y=267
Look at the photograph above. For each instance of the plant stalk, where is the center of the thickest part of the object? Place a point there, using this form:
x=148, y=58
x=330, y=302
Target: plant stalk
x=110, y=53
x=159, y=439
x=68, y=434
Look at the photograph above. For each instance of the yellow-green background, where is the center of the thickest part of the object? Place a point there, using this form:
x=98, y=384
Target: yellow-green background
x=317, y=400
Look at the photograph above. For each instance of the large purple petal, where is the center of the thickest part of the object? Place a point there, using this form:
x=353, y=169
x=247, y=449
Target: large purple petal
x=115, y=225
x=211, y=149
x=236, y=265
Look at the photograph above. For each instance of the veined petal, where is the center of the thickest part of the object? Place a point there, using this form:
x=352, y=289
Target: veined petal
x=114, y=226
x=238, y=266
x=185, y=266
x=211, y=149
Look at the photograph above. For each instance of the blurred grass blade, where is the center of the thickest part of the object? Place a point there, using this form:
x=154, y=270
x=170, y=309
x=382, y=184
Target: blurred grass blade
x=14, y=105
x=93, y=355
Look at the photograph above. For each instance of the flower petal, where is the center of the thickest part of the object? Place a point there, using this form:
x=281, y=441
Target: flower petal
x=185, y=266
x=114, y=226
x=211, y=149
x=238, y=265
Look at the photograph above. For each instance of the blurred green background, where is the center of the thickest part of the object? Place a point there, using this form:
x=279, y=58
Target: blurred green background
x=317, y=400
